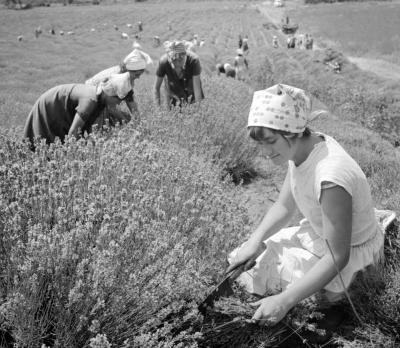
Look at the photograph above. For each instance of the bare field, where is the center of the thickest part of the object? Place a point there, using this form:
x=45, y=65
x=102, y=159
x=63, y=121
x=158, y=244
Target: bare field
x=362, y=29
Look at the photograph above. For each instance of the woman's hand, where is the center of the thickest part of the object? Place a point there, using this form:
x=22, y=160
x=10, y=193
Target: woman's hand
x=247, y=255
x=271, y=310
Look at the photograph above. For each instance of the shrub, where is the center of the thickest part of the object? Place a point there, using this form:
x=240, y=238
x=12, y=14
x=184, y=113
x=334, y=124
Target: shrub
x=110, y=233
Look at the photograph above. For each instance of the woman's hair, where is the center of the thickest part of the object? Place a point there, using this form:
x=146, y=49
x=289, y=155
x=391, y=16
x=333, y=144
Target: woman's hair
x=256, y=133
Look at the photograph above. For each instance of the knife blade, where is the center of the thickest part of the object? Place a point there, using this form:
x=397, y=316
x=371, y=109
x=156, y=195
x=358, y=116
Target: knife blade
x=222, y=289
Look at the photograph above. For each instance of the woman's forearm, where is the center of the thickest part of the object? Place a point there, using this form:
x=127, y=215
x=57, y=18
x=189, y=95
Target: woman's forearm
x=157, y=97
x=314, y=280
x=76, y=125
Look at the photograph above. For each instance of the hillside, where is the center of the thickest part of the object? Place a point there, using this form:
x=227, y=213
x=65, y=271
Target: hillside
x=113, y=240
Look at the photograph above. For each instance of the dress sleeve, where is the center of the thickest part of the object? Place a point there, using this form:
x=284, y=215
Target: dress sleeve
x=334, y=173
x=327, y=185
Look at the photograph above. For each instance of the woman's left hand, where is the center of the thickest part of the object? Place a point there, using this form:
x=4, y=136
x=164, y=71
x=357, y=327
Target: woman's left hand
x=271, y=310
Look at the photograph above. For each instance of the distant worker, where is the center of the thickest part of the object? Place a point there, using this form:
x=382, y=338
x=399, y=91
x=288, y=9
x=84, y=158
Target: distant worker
x=275, y=42
x=229, y=70
x=156, y=41
x=140, y=26
x=337, y=67
x=291, y=42
x=241, y=65
x=190, y=45
x=180, y=70
x=226, y=69
x=195, y=40
x=240, y=41
x=300, y=42
x=73, y=108
x=245, y=46
x=220, y=69
x=309, y=42
x=38, y=31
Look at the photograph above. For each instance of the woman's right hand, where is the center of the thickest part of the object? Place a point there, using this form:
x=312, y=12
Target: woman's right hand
x=247, y=254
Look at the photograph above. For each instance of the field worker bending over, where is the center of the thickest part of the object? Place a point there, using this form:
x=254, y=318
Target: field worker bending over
x=180, y=70
x=220, y=69
x=229, y=70
x=240, y=65
x=339, y=231
x=291, y=42
x=135, y=63
x=309, y=42
x=73, y=108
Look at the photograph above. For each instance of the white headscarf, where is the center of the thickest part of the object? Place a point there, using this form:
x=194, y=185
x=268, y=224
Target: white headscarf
x=118, y=85
x=280, y=107
x=137, y=60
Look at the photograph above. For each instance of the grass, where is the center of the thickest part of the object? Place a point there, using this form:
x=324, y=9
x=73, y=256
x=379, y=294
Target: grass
x=117, y=244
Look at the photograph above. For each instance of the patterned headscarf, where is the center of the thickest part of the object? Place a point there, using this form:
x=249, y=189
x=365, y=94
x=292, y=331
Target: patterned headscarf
x=118, y=85
x=137, y=60
x=280, y=107
x=174, y=48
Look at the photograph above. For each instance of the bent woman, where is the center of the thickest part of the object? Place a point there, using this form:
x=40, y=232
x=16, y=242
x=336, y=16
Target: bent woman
x=339, y=232
x=72, y=108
